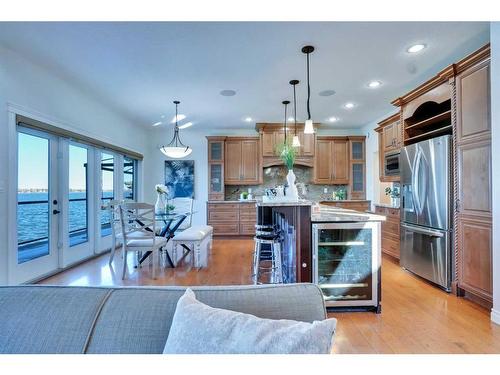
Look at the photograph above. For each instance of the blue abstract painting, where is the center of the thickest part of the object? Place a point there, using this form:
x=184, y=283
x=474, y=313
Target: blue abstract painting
x=179, y=178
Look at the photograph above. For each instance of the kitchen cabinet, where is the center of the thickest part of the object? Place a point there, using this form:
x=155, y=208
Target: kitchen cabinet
x=389, y=141
x=357, y=167
x=242, y=164
x=273, y=134
x=474, y=195
x=390, y=230
x=232, y=218
x=331, y=166
x=216, y=168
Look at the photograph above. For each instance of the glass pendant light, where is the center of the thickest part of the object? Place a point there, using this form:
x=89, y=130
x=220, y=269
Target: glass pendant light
x=295, y=141
x=308, y=128
x=176, y=149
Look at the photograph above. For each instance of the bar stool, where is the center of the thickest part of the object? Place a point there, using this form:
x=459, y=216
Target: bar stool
x=267, y=236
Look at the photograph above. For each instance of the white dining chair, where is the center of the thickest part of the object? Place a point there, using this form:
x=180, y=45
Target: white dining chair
x=139, y=232
x=184, y=206
x=113, y=208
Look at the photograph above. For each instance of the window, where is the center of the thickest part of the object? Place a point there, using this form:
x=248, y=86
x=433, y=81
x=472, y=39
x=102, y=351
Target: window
x=78, y=199
x=129, y=178
x=107, y=188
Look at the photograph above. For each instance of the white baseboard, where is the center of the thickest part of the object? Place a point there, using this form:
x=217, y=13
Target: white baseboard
x=495, y=316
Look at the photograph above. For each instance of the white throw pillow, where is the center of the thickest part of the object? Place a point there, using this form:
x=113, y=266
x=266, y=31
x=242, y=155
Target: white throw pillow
x=201, y=329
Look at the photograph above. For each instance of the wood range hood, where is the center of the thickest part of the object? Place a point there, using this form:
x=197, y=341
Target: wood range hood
x=272, y=134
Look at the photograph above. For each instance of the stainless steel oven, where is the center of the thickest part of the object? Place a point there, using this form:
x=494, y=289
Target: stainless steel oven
x=391, y=163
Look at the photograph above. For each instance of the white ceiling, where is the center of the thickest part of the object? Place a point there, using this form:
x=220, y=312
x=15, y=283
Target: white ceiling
x=139, y=68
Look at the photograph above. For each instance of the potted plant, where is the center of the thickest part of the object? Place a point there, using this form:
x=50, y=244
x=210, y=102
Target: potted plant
x=394, y=194
x=287, y=153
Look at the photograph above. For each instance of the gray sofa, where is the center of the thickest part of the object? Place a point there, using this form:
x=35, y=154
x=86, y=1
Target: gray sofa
x=55, y=319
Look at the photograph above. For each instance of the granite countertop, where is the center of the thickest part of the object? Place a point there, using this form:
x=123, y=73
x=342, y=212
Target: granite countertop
x=277, y=203
x=345, y=200
x=324, y=214
x=235, y=201
x=386, y=205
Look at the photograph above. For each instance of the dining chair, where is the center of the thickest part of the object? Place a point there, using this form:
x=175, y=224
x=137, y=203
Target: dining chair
x=138, y=225
x=184, y=206
x=114, y=217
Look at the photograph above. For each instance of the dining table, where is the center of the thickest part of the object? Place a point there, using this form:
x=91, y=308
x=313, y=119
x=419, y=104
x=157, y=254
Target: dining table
x=170, y=223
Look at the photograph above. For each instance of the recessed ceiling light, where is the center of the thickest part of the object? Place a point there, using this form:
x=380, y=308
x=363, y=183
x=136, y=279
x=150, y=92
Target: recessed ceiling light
x=186, y=125
x=349, y=105
x=179, y=118
x=228, y=93
x=248, y=119
x=327, y=93
x=374, y=84
x=333, y=119
x=157, y=123
x=416, y=48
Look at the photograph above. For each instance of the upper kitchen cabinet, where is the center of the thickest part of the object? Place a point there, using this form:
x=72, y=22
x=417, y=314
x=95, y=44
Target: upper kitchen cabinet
x=357, y=167
x=216, y=168
x=242, y=164
x=331, y=164
x=389, y=144
x=273, y=134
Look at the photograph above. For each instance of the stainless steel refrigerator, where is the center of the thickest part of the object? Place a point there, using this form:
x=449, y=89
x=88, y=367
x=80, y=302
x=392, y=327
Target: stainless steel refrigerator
x=426, y=209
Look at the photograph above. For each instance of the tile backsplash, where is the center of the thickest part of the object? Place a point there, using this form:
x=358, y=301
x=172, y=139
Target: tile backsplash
x=274, y=176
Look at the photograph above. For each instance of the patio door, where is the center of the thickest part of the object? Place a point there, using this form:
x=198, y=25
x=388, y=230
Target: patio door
x=38, y=206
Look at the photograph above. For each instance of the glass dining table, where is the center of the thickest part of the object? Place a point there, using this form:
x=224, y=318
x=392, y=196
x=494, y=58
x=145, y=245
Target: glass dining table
x=170, y=222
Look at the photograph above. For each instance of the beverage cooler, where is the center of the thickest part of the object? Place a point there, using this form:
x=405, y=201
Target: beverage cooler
x=346, y=264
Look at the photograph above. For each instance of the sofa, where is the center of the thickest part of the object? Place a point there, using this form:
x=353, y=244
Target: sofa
x=65, y=319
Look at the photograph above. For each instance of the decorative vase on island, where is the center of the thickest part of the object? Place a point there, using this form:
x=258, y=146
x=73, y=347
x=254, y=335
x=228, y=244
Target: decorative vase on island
x=160, y=204
x=292, y=192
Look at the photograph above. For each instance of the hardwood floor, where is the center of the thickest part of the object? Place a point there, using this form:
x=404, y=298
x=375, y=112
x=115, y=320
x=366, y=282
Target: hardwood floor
x=416, y=317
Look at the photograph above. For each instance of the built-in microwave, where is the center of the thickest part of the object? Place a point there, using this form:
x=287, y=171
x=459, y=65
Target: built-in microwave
x=391, y=163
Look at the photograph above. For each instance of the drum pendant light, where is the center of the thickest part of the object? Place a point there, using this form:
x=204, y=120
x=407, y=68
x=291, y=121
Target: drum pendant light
x=308, y=128
x=176, y=149
x=295, y=141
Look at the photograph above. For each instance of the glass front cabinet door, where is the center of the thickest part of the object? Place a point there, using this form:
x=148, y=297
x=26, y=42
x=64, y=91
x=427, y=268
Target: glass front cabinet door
x=346, y=263
x=216, y=168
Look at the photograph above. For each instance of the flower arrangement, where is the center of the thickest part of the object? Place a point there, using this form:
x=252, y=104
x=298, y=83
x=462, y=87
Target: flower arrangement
x=161, y=189
x=287, y=153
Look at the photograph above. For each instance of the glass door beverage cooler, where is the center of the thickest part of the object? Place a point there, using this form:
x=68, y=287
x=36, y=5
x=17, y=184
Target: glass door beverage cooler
x=346, y=264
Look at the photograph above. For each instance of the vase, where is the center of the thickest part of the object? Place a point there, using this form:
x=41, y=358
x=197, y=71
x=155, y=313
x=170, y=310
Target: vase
x=292, y=192
x=160, y=204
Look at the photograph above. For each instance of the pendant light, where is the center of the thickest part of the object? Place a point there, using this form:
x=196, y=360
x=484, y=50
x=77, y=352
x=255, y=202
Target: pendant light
x=285, y=103
x=176, y=149
x=295, y=141
x=308, y=128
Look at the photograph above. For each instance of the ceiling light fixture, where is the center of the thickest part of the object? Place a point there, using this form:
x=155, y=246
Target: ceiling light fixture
x=349, y=105
x=326, y=93
x=308, y=127
x=228, y=93
x=374, y=84
x=176, y=149
x=333, y=119
x=186, y=125
x=248, y=119
x=295, y=141
x=416, y=48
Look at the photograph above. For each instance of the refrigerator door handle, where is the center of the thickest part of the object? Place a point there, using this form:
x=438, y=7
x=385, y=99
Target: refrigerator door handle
x=425, y=231
x=416, y=171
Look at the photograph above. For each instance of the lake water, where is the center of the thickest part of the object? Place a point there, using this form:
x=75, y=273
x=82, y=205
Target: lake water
x=32, y=219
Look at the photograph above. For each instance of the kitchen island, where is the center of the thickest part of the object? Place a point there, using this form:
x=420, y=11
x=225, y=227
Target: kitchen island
x=336, y=248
